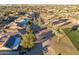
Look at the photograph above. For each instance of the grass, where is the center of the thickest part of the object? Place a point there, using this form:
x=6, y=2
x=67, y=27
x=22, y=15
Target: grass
x=74, y=36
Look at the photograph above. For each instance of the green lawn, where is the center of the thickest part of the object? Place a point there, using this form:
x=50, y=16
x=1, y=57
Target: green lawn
x=74, y=37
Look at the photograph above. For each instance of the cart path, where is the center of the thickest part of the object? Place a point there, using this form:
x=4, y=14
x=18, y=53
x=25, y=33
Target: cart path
x=64, y=46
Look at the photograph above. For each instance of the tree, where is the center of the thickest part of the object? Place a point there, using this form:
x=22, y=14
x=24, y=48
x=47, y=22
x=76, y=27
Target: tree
x=39, y=22
x=27, y=41
x=74, y=28
x=54, y=29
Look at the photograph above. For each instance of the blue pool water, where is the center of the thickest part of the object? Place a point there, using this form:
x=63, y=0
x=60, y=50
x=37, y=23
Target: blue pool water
x=24, y=22
x=13, y=42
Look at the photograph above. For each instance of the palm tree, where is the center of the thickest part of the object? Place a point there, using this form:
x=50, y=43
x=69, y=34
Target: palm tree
x=27, y=42
x=54, y=29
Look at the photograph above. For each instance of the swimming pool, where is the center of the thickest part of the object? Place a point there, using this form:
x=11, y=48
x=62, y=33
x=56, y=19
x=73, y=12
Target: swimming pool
x=13, y=42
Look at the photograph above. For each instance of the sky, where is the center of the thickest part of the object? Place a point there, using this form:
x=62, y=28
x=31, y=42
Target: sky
x=39, y=1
